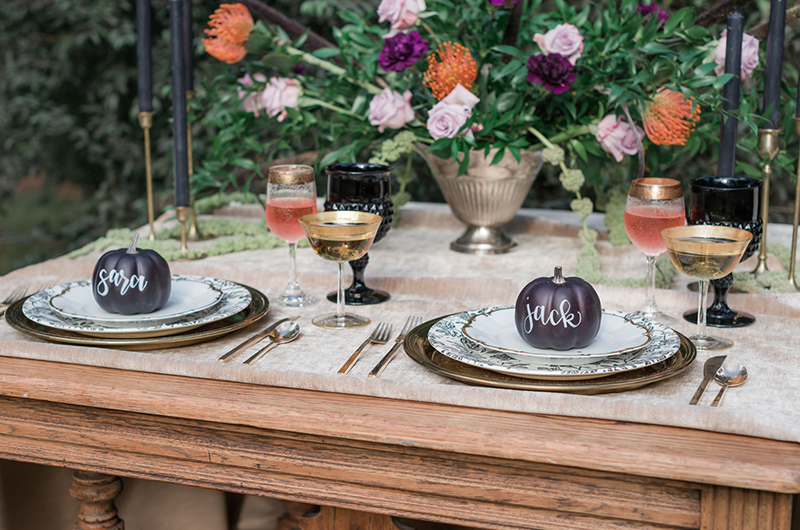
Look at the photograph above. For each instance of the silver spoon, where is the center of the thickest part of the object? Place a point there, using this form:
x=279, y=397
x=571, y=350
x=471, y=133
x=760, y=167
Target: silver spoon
x=729, y=374
x=286, y=332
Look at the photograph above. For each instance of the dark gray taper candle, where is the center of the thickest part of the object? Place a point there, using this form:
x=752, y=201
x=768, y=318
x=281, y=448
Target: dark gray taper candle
x=773, y=72
x=180, y=155
x=188, y=46
x=733, y=65
x=144, y=66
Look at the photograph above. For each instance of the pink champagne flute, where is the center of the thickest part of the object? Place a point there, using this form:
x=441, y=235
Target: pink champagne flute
x=653, y=205
x=291, y=194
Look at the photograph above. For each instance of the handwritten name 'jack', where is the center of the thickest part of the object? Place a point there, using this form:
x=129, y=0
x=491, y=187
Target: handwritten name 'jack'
x=556, y=317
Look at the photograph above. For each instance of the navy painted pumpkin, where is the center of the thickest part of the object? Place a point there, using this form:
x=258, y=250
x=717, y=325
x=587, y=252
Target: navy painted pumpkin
x=558, y=313
x=131, y=281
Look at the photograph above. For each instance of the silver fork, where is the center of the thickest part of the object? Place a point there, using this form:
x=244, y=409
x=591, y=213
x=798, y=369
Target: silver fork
x=410, y=324
x=15, y=295
x=380, y=335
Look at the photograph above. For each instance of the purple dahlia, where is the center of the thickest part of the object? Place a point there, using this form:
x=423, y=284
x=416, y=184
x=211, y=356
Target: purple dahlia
x=553, y=71
x=402, y=51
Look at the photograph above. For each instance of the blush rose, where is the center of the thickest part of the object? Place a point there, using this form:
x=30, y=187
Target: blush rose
x=390, y=110
x=251, y=99
x=749, y=55
x=280, y=93
x=401, y=14
x=616, y=137
x=564, y=39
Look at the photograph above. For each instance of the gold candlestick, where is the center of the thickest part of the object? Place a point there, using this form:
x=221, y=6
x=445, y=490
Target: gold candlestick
x=793, y=262
x=768, y=146
x=183, y=216
x=194, y=234
x=146, y=121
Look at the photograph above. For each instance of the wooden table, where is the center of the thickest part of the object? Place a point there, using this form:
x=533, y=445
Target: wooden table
x=427, y=461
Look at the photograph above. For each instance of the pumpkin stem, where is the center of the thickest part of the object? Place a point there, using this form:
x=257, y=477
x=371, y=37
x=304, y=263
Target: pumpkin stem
x=558, y=276
x=132, y=248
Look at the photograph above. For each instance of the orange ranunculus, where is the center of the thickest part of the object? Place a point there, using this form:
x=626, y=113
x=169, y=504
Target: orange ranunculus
x=670, y=118
x=454, y=65
x=230, y=26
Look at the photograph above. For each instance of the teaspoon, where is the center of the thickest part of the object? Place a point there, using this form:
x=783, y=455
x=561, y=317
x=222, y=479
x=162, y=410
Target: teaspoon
x=286, y=332
x=729, y=374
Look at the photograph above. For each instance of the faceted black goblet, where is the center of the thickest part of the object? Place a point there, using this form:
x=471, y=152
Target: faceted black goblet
x=733, y=202
x=363, y=188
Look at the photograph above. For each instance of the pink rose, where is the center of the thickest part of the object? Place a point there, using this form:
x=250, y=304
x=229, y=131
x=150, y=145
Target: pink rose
x=615, y=135
x=749, y=55
x=564, y=39
x=445, y=120
x=401, y=14
x=390, y=110
x=461, y=96
x=281, y=93
x=251, y=98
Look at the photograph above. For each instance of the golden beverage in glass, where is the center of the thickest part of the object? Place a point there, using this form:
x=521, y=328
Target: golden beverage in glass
x=340, y=236
x=706, y=252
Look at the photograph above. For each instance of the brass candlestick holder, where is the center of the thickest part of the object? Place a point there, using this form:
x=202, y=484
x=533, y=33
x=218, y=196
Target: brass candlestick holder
x=183, y=216
x=768, y=146
x=194, y=234
x=146, y=122
x=793, y=262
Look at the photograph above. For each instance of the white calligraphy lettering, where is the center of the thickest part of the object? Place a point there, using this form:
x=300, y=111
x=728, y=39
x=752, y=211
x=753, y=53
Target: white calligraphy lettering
x=118, y=278
x=562, y=315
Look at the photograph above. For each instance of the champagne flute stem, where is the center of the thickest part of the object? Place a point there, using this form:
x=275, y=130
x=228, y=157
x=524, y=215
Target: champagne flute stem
x=649, y=307
x=340, y=295
x=293, y=288
x=701, y=309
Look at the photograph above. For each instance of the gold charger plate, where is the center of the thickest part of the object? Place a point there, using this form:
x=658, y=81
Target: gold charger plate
x=259, y=306
x=420, y=350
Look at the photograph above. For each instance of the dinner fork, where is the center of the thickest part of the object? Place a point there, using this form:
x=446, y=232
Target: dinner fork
x=410, y=324
x=15, y=295
x=380, y=335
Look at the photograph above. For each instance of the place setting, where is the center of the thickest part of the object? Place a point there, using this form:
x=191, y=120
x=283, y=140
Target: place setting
x=133, y=302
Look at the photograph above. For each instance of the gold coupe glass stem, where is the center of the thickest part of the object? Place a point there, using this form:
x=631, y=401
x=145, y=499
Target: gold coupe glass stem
x=146, y=121
x=793, y=262
x=340, y=295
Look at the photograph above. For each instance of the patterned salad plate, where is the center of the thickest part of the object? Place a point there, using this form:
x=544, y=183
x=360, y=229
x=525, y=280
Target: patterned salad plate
x=446, y=336
x=190, y=295
x=418, y=347
x=255, y=310
x=235, y=298
x=494, y=328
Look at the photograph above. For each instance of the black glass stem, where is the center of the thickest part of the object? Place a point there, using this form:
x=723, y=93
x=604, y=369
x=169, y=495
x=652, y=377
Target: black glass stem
x=733, y=202
x=363, y=188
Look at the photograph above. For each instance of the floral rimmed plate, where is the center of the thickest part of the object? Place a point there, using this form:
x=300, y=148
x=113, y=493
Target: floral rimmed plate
x=446, y=336
x=189, y=295
x=494, y=328
x=418, y=347
x=235, y=297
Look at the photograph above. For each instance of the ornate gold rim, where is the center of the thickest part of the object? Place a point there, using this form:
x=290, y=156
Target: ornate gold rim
x=656, y=189
x=290, y=174
x=420, y=350
x=259, y=306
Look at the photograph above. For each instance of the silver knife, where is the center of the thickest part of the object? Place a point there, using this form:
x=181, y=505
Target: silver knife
x=709, y=369
x=252, y=340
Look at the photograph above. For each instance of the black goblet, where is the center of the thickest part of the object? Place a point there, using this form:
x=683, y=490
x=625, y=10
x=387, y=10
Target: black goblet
x=733, y=202
x=363, y=188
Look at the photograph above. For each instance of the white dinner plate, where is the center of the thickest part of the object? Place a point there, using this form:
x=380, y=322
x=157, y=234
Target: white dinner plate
x=189, y=295
x=447, y=337
x=494, y=328
x=235, y=298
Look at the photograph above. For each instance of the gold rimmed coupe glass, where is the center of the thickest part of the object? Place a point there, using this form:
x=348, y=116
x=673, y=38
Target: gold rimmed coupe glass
x=653, y=204
x=706, y=252
x=340, y=236
x=291, y=194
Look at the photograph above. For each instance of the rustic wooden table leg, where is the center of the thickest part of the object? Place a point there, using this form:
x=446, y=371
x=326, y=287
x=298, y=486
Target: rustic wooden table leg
x=294, y=514
x=723, y=507
x=330, y=518
x=96, y=493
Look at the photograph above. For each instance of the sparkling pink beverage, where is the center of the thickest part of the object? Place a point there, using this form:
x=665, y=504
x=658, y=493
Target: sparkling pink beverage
x=645, y=223
x=282, y=216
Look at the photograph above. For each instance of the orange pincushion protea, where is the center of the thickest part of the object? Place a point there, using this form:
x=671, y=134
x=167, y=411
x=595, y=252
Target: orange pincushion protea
x=231, y=25
x=454, y=65
x=669, y=119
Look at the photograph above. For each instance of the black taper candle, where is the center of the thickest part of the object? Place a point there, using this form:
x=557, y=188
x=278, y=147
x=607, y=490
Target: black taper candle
x=144, y=66
x=180, y=155
x=773, y=72
x=733, y=65
x=188, y=46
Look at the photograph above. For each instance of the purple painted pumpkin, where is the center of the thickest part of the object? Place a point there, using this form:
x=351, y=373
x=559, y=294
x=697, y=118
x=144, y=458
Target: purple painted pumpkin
x=130, y=281
x=558, y=313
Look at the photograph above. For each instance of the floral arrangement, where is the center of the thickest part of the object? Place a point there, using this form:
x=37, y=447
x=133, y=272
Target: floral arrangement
x=592, y=88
